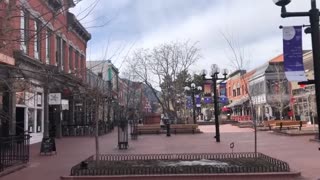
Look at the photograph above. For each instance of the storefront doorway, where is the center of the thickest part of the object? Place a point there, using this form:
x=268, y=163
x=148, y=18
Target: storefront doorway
x=20, y=116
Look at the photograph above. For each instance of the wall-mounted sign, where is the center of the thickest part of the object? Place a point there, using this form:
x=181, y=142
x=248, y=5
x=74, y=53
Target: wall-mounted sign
x=54, y=98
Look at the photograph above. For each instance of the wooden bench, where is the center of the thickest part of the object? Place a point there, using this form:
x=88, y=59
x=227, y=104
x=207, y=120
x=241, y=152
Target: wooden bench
x=290, y=124
x=184, y=128
x=272, y=123
x=149, y=129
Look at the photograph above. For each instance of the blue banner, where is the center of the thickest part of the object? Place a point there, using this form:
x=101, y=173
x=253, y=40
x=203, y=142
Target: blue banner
x=189, y=102
x=198, y=100
x=207, y=100
x=292, y=53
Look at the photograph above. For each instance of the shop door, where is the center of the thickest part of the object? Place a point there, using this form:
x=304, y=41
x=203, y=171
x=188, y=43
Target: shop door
x=54, y=121
x=20, y=121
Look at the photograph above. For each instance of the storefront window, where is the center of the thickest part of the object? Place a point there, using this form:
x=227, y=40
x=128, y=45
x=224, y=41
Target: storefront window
x=39, y=120
x=31, y=120
x=39, y=99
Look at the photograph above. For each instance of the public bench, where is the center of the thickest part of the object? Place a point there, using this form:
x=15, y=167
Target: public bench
x=149, y=129
x=184, y=128
x=290, y=124
x=272, y=123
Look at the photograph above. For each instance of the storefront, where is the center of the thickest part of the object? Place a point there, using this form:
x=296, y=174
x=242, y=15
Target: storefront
x=29, y=113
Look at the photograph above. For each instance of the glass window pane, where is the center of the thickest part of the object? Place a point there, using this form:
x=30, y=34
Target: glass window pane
x=39, y=120
x=31, y=120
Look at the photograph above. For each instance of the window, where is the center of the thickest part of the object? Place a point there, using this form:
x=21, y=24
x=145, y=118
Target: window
x=37, y=39
x=31, y=120
x=39, y=120
x=63, y=51
x=238, y=91
x=70, y=58
x=82, y=69
x=58, y=51
x=48, y=48
x=77, y=62
x=234, y=93
x=24, y=26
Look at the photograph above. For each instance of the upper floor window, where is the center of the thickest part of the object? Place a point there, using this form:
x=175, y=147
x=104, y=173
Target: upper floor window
x=58, y=50
x=238, y=91
x=76, y=62
x=48, y=47
x=55, y=4
x=37, y=39
x=234, y=93
x=63, y=53
x=70, y=58
x=24, y=30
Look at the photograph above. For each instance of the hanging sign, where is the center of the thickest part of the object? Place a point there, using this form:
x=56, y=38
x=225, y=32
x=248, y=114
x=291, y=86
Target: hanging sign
x=292, y=53
x=54, y=98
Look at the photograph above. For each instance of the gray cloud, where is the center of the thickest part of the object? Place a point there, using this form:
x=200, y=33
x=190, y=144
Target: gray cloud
x=253, y=23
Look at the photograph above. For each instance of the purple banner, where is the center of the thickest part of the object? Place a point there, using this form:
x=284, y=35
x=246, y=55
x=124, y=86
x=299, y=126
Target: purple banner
x=207, y=100
x=189, y=102
x=198, y=100
x=292, y=53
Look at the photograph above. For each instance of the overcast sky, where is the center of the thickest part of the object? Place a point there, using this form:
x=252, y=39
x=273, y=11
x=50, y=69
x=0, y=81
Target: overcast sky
x=131, y=24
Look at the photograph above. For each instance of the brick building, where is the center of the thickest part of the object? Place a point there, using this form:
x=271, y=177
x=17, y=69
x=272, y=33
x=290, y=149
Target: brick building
x=237, y=92
x=42, y=62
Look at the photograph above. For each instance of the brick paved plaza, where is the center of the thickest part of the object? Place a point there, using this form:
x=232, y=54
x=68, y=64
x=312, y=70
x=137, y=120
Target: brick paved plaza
x=298, y=151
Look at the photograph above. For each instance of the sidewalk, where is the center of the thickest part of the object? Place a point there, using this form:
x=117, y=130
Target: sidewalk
x=301, y=154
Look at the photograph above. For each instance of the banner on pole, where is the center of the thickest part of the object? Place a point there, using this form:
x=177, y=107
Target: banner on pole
x=189, y=102
x=292, y=53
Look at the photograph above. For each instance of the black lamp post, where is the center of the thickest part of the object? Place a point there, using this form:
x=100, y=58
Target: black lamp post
x=193, y=90
x=313, y=14
x=214, y=77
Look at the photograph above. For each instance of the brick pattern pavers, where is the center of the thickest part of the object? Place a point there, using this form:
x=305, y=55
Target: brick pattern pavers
x=299, y=152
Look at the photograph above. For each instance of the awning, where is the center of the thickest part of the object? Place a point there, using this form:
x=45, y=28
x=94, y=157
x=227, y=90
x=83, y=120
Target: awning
x=238, y=102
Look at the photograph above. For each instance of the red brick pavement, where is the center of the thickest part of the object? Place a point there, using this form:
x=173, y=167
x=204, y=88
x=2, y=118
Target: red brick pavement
x=299, y=152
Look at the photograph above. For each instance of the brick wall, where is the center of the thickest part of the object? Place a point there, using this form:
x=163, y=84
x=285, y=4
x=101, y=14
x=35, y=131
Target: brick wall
x=39, y=10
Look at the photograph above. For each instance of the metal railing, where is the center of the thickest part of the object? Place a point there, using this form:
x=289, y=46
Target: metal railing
x=85, y=130
x=14, y=150
x=151, y=164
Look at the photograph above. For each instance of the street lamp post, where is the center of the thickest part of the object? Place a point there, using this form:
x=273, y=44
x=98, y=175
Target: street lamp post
x=193, y=90
x=313, y=14
x=214, y=77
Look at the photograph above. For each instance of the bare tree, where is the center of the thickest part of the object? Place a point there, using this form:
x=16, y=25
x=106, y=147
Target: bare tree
x=239, y=61
x=159, y=68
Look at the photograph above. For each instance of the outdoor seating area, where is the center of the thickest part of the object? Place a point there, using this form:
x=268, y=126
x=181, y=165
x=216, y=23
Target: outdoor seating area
x=149, y=129
x=280, y=124
x=185, y=128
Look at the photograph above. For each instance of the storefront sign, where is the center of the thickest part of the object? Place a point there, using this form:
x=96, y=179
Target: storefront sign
x=54, y=98
x=6, y=59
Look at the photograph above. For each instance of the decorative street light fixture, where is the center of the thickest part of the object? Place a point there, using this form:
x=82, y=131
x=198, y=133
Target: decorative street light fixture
x=313, y=14
x=214, y=77
x=193, y=90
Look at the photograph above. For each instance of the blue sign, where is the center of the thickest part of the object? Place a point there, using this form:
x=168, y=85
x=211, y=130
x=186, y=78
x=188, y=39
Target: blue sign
x=198, y=100
x=189, y=102
x=207, y=100
x=292, y=53
x=223, y=99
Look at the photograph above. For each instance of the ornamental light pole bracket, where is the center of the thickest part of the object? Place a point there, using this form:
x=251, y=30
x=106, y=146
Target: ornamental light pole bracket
x=313, y=15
